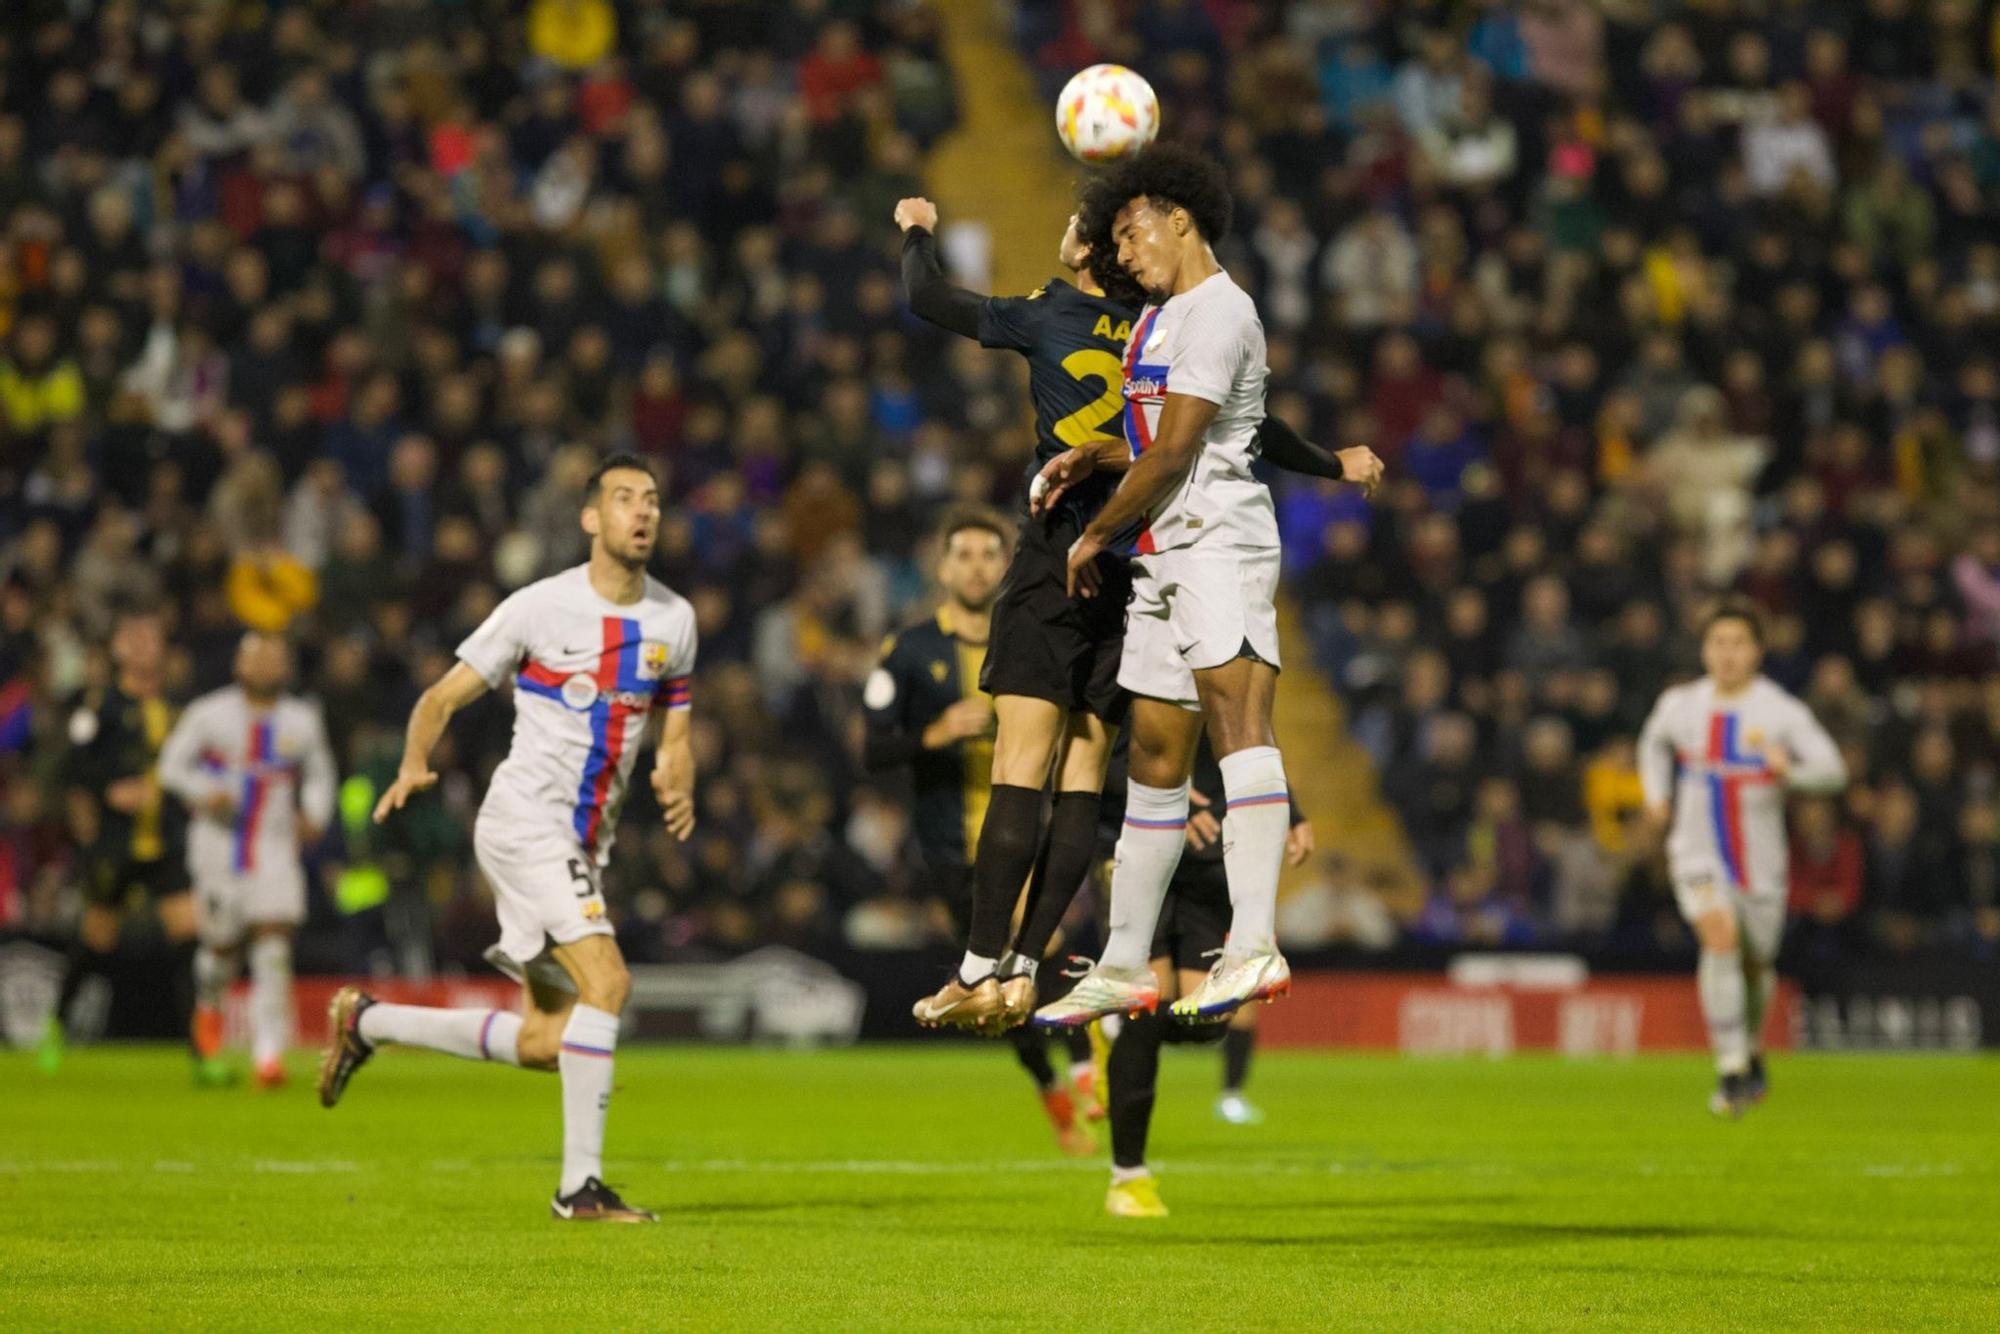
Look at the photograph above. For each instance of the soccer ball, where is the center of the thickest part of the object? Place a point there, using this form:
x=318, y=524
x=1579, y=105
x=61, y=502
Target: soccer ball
x=1105, y=112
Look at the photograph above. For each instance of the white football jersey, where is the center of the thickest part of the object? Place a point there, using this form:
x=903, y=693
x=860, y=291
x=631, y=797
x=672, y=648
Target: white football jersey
x=1729, y=810
x=272, y=763
x=1209, y=344
x=587, y=673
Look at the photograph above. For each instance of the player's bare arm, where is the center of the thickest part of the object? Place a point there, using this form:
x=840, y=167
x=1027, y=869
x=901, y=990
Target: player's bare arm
x=673, y=773
x=1184, y=419
x=452, y=692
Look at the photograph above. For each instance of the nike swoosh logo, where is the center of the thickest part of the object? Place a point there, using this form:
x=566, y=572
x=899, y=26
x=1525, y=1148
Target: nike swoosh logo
x=562, y=1210
x=567, y=649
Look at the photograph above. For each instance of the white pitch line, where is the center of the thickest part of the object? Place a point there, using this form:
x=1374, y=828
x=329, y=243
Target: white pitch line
x=304, y=1168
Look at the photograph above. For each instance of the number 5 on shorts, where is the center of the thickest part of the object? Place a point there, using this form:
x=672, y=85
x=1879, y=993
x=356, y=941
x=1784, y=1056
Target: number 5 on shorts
x=579, y=874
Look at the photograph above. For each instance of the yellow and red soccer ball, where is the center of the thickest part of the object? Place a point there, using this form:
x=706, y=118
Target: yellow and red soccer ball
x=1105, y=112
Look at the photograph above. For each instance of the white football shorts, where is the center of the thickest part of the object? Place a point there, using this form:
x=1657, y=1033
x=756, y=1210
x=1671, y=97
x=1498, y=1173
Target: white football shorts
x=1194, y=608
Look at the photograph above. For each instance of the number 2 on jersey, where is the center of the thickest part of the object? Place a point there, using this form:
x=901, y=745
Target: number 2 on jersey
x=1081, y=427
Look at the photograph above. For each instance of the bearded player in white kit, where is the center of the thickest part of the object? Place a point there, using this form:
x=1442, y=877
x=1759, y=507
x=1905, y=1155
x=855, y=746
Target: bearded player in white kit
x=1741, y=742
x=1201, y=630
x=253, y=768
x=596, y=653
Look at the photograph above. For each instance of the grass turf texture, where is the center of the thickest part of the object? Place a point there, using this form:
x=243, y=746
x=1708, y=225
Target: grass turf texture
x=847, y=1189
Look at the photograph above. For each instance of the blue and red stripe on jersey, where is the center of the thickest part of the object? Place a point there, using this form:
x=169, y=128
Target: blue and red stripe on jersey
x=618, y=686
x=1729, y=772
x=1152, y=382
x=537, y=679
x=256, y=785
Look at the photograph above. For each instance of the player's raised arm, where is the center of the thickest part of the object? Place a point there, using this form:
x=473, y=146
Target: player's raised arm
x=931, y=295
x=452, y=692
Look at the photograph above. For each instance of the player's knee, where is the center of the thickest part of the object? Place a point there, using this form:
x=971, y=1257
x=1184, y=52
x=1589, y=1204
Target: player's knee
x=1717, y=932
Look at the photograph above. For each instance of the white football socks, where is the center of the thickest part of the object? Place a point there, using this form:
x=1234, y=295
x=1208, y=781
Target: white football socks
x=974, y=967
x=589, y=1042
x=270, y=998
x=1253, y=844
x=1719, y=978
x=1149, y=848
x=476, y=1035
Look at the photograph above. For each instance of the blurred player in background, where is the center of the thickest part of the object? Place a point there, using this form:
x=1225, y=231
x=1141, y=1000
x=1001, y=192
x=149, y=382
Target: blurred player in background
x=1201, y=635
x=1053, y=670
x=598, y=655
x=925, y=710
x=1191, y=935
x=130, y=832
x=1741, y=743
x=253, y=767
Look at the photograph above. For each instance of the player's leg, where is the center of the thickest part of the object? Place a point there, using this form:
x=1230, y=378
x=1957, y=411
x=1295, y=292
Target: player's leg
x=270, y=1000
x=1031, y=1049
x=215, y=968
x=585, y=1062
x=1027, y=733
x=358, y=1024
x=1164, y=737
x=1071, y=846
x=1236, y=700
x=530, y=894
x=89, y=951
x=273, y=904
x=1724, y=999
x=1080, y=1046
x=167, y=886
x=1239, y=1039
x=1134, y=1078
x=218, y=955
x=1762, y=922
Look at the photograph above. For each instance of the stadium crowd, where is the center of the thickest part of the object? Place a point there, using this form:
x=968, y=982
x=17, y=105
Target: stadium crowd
x=316, y=316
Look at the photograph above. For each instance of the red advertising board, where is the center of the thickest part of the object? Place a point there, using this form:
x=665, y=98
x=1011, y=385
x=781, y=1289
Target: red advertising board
x=1427, y=1013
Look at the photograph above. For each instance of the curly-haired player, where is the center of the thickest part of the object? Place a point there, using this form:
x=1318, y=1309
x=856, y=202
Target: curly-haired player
x=1201, y=632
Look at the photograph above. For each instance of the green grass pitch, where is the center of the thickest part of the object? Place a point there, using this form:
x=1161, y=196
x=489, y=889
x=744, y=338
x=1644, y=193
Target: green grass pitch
x=915, y=1188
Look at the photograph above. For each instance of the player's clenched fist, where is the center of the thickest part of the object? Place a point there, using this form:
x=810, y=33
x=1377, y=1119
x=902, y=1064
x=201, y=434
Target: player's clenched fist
x=916, y=213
